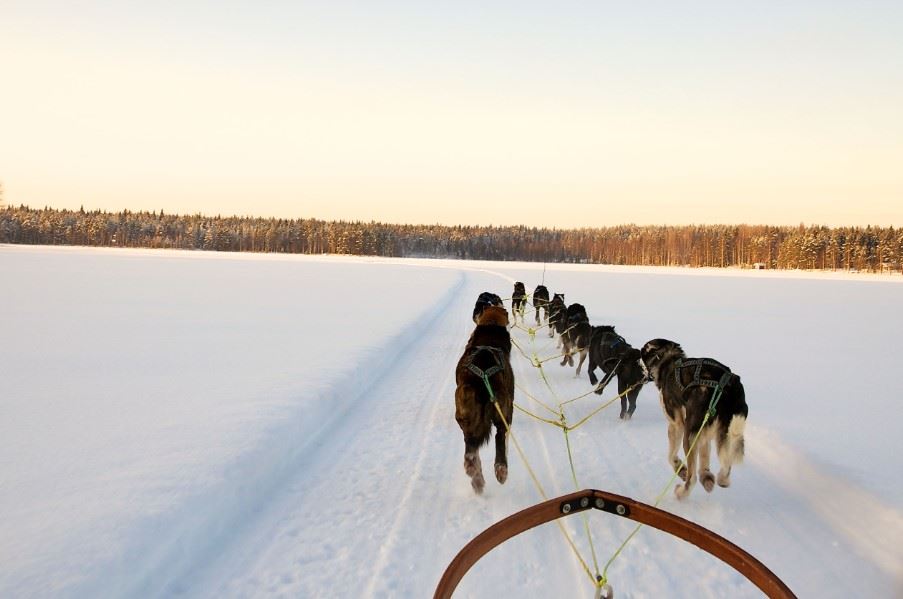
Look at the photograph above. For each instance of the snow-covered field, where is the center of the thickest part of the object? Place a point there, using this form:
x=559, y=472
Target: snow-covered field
x=209, y=425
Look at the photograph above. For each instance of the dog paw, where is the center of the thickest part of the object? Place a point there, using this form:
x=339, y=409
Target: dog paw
x=478, y=482
x=681, y=491
x=682, y=473
x=501, y=473
x=724, y=480
x=708, y=481
x=471, y=465
x=623, y=414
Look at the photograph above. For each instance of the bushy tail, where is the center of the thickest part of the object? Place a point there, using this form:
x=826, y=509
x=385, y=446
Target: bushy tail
x=735, y=441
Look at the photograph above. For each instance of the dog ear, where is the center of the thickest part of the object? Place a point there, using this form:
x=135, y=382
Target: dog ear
x=649, y=347
x=661, y=347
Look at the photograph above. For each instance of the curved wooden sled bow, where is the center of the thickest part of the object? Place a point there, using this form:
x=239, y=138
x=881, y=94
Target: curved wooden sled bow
x=547, y=511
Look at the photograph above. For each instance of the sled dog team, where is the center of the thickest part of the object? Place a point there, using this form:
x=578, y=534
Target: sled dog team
x=688, y=387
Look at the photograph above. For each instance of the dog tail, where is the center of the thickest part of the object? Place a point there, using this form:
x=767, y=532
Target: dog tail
x=735, y=441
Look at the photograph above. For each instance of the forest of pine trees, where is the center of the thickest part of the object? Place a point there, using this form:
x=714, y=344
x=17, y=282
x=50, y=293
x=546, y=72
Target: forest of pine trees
x=802, y=247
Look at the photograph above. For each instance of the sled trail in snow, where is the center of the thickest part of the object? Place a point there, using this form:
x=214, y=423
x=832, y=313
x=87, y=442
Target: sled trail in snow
x=390, y=477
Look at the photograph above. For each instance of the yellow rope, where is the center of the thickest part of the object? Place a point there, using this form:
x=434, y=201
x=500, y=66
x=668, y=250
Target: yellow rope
x=531, y=330
x=578, y=398
x=519, y=450
x=598, y=580
x=539, y=362
x=542, y=374
x=521, y=350
x=605, y=405
x=570, y=541
x=589, y=536
x=542, y=492
x=581, y=421
x=661, y=495
x=540, y=418
x=593, y=413
x=525, y=392
x=534, y=360
x=564, y=427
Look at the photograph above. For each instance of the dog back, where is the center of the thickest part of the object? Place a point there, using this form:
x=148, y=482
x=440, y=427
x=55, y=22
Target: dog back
x=487, y=354
x=541, y=296
x=691, y=384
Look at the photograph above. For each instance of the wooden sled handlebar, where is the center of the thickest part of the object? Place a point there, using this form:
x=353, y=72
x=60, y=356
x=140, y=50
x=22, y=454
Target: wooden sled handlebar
x=744, y=563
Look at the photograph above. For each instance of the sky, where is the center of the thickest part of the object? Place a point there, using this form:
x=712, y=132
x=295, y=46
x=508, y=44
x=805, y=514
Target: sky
x=565, y=114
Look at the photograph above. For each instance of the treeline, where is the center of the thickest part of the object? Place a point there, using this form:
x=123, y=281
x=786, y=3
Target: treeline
x=804, y=247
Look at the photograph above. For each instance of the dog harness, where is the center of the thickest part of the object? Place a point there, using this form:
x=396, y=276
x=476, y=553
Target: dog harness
x=494, y=369
x=618, y=340
x=698, y=379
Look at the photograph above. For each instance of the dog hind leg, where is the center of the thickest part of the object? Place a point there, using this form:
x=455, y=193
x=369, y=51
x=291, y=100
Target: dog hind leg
x=682, y=491
x=625, y=413
x=476, y=432
x=566, y=351
x=673, y=439
x=501, y=455
x=730, y=445
x=580, y=363
x=591, y=369
x=705, y=450
x=473, y=467
x=675, y=426
x=631, y=399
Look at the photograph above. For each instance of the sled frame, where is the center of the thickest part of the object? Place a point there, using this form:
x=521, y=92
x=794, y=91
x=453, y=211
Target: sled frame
x=741, y=561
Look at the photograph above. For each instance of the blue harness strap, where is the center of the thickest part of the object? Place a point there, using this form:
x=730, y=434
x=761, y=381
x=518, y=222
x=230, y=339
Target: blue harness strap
x=618, y=340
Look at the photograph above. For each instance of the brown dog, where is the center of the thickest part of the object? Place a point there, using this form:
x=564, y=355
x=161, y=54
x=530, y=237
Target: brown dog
x=486, y=360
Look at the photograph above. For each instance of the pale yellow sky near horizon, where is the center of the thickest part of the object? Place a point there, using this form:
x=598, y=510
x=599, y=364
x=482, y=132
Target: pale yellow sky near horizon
x=492, y=116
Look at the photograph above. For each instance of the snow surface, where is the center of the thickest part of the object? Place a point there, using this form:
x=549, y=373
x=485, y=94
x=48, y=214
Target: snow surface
x=207, y=425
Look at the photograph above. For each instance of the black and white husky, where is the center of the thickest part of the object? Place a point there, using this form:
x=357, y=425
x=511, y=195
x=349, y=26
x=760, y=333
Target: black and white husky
x=687, y=386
